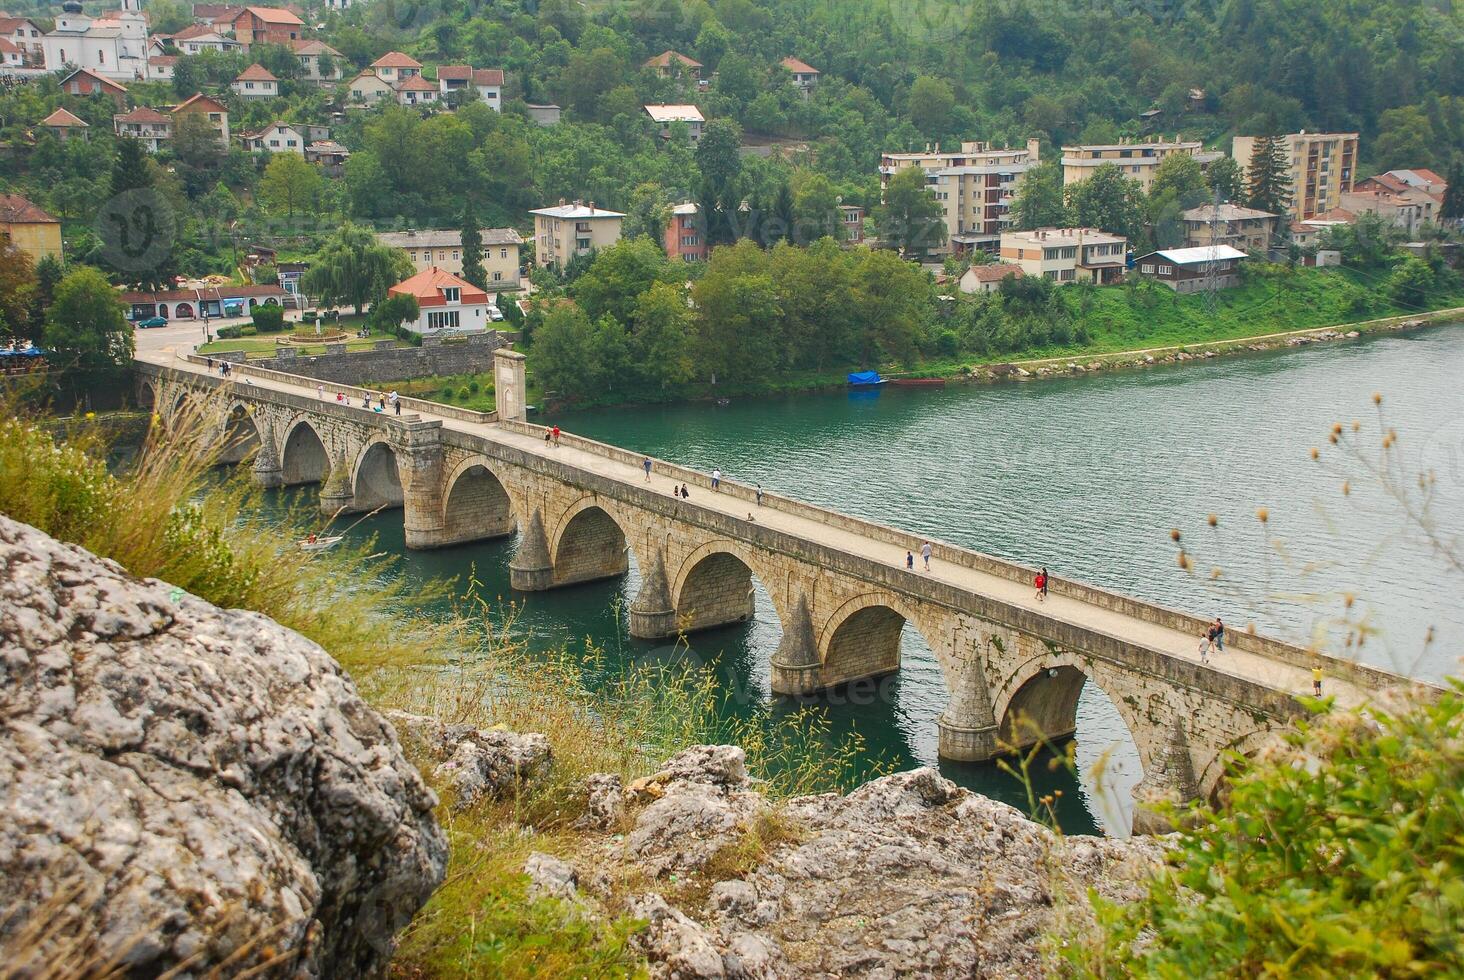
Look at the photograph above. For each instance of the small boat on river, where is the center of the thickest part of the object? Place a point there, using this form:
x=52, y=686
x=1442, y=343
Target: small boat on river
x=320, y=543
x=865, y=379
x=918, y=382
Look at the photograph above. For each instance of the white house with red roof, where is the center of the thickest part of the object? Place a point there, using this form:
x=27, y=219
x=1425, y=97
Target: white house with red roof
x=805, y=76
x=212, y=110
x=447, y=303
x=26, y=35
x=487, y=81
x=309, y=52
x=153, y=128
x=415, y=90
x=394, y=66
x=368, y=88
x=256, y=82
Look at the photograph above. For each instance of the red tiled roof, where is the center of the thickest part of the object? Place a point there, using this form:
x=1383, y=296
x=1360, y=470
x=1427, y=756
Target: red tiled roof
x=799, y=67
x=415, y=83
x=9, y=25
x=312, y=46
x=62, y=118
x=256, y=73
x=7, y=47
x=200, y=103
x=1428, y=175
x=195, y=30
x=163, y=60
x=395, y=59
x=206, y=293
x=663, y=60
x=18, y=210
x=271, y=15
x=216, y=11
x=142, y=115
x=995, y=271
x=455, y=73
x=487, y=76
x=427, y=287
x=106, y=83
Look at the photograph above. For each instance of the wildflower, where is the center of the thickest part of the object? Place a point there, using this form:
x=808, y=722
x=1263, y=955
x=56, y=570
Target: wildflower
x=1174, y=534
x=1212, y=520
x=1263, y=515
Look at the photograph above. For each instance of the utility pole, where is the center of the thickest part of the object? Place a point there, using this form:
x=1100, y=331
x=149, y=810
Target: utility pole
x=1212, y=292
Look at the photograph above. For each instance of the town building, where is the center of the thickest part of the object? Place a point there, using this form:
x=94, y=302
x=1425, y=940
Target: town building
x=683, y=238
x=198, y=38
x=1309, y=232
x=1067, y=255
x=1322, y=167
x=851, y=216
x=256, y=82
x=115, y=48
x=1138, y=161
x=210, y=109
x=12, y=59
x=446, y=303
x=267, y=25
x=974, y=184
x=216, y=13
x=309, y=52
x=669, y=62
x=666, y=115
x=84, y=81
x=444, y=250
x=543, y=115
x=1230, y=224
x=805, y=76
x=569, y=230
x=987, y=278
x=160, y=67
x=329, y=156
x=29, y=228
x=369, y=88
x=277, y=137
x=394, y=66
x=1408, y=209
x=1192, y=270
x=455, y=80
x=415, y=90
x=153, y=128
x=1417, y=179
x=212, y=302
x=65, y=126
x=27, y=38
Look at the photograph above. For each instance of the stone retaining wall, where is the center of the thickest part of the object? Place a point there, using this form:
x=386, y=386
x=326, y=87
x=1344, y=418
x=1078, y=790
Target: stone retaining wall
x=471, y=355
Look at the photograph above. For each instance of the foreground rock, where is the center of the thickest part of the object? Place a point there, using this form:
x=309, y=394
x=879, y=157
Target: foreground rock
x=180, y=781
x=909, y=875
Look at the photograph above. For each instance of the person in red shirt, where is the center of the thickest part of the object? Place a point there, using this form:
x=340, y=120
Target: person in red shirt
x=1041, y=583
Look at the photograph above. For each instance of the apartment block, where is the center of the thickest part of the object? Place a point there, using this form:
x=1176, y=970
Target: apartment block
x=683, y=237
x=568, y=230
x=1229, y=224
x=975, y=185
x=1138, y=161
x=444, y=250
x=1067, y=255
x=1322, y=168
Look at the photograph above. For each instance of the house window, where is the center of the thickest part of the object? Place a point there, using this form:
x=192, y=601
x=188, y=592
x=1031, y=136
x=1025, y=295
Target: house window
x=442, y=320
x=497, y=277
x=1166, y=270
x=503, y=253
x=412, y=255
x=452, y=294
x=454, y=255
x=289, y=142
x=1147, y=268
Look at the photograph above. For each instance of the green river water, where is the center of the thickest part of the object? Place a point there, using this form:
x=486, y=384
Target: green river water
x=1086, y=475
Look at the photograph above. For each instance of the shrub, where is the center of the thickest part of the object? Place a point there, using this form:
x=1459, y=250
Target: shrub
x=310, y=316
x=474, y=387
x=464, y=394
x=269, y=318
x=247, y=331
x=447, y=394
x=228, y=333
x=1336, y=855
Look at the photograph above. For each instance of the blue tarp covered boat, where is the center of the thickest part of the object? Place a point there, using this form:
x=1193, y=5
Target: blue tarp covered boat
x=864, y=379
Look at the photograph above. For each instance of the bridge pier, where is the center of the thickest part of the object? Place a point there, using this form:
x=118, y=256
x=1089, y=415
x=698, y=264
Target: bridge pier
x=267, y=472
x=967, y=727
x=1168, y=779
x=336, y=496
x=420, y=470
x=531, y=570
x=652, y=616
x=796, y=666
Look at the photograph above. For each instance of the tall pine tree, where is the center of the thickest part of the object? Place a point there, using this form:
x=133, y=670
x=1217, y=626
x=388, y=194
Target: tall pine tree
x=1453, y=208
x=473, y=270
x=136, y=224
x=1268, y=181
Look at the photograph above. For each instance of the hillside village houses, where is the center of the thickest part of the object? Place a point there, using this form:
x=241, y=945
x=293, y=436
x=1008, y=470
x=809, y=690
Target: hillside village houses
x=445, y=302
x=271, y=25
x=805, y=76
x=65, y=126
x=115, y=48
x=26, y=36
x=987, y=278
x=668, y=63
x=1322, y=168
x=443, y=250
x=84, y=81
x=666, y=115
x=29, y=228
x=309, y=53
x=277, y=137
x=454, y=80
x=329, y=156
x=151, y=127
x=1067, y=255
x=1190, y=270
x=415, y=90
x=11, y=57
x=975, y=185
x=1137, y=160
x=568, y=230
x=256, y=82
x=160, y=67
x=1230, y=224
x=394, y=66
x=198, y=38
x=210, y=109
x=683, y=238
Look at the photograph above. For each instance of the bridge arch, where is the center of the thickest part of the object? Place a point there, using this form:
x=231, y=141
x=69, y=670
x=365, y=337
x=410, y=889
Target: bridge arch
x=1039, y=701
x=714, y=586
x=376, y=479
x=862, y=638
x=589, y=542
x=147, y=396
x=477, y=503
x=1225, y=763
x=303, y=457
x=239, y=434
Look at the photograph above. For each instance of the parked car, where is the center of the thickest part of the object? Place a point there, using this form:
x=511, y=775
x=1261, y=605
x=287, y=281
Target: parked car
x=152, y=321
x=495, y=314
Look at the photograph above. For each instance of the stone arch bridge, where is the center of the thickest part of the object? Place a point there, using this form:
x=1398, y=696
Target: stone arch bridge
x=1013, y=666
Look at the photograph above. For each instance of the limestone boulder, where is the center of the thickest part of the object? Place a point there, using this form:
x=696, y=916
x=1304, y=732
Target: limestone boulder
x=186, y=783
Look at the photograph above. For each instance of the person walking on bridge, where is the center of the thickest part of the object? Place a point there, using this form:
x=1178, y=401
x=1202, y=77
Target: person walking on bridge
x=1041, y=585
x=757, y=489
x=925, y=550
x=716, y=478
x=909, y=561
x=646, y=465
x=1046, y=580
x=1217, y=635
x=556, y=435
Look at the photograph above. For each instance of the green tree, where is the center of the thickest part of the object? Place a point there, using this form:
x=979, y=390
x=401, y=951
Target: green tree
x=18, y=287
x=910, y=216
x=389, y=315
x=289, y=185
x=613, y=283
x=718, y=156
x=49, y=273
x=930, y=104
x=1182, y=175
x=87, y=326
x=1038, y=201
x=198, y=153
x=738, y=315
x=557, y=356
x=1226, y=179
x=815, y=207
x=648, y=212
x=1268, y=180
x=1453, y=206
x=472, y=244
x=663, y=336
x=168, y=16
x=137, y=225
x=1108, y=200
x=1406, y=139
x=1411, y=283
x=353, y=267
x=588, y=77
